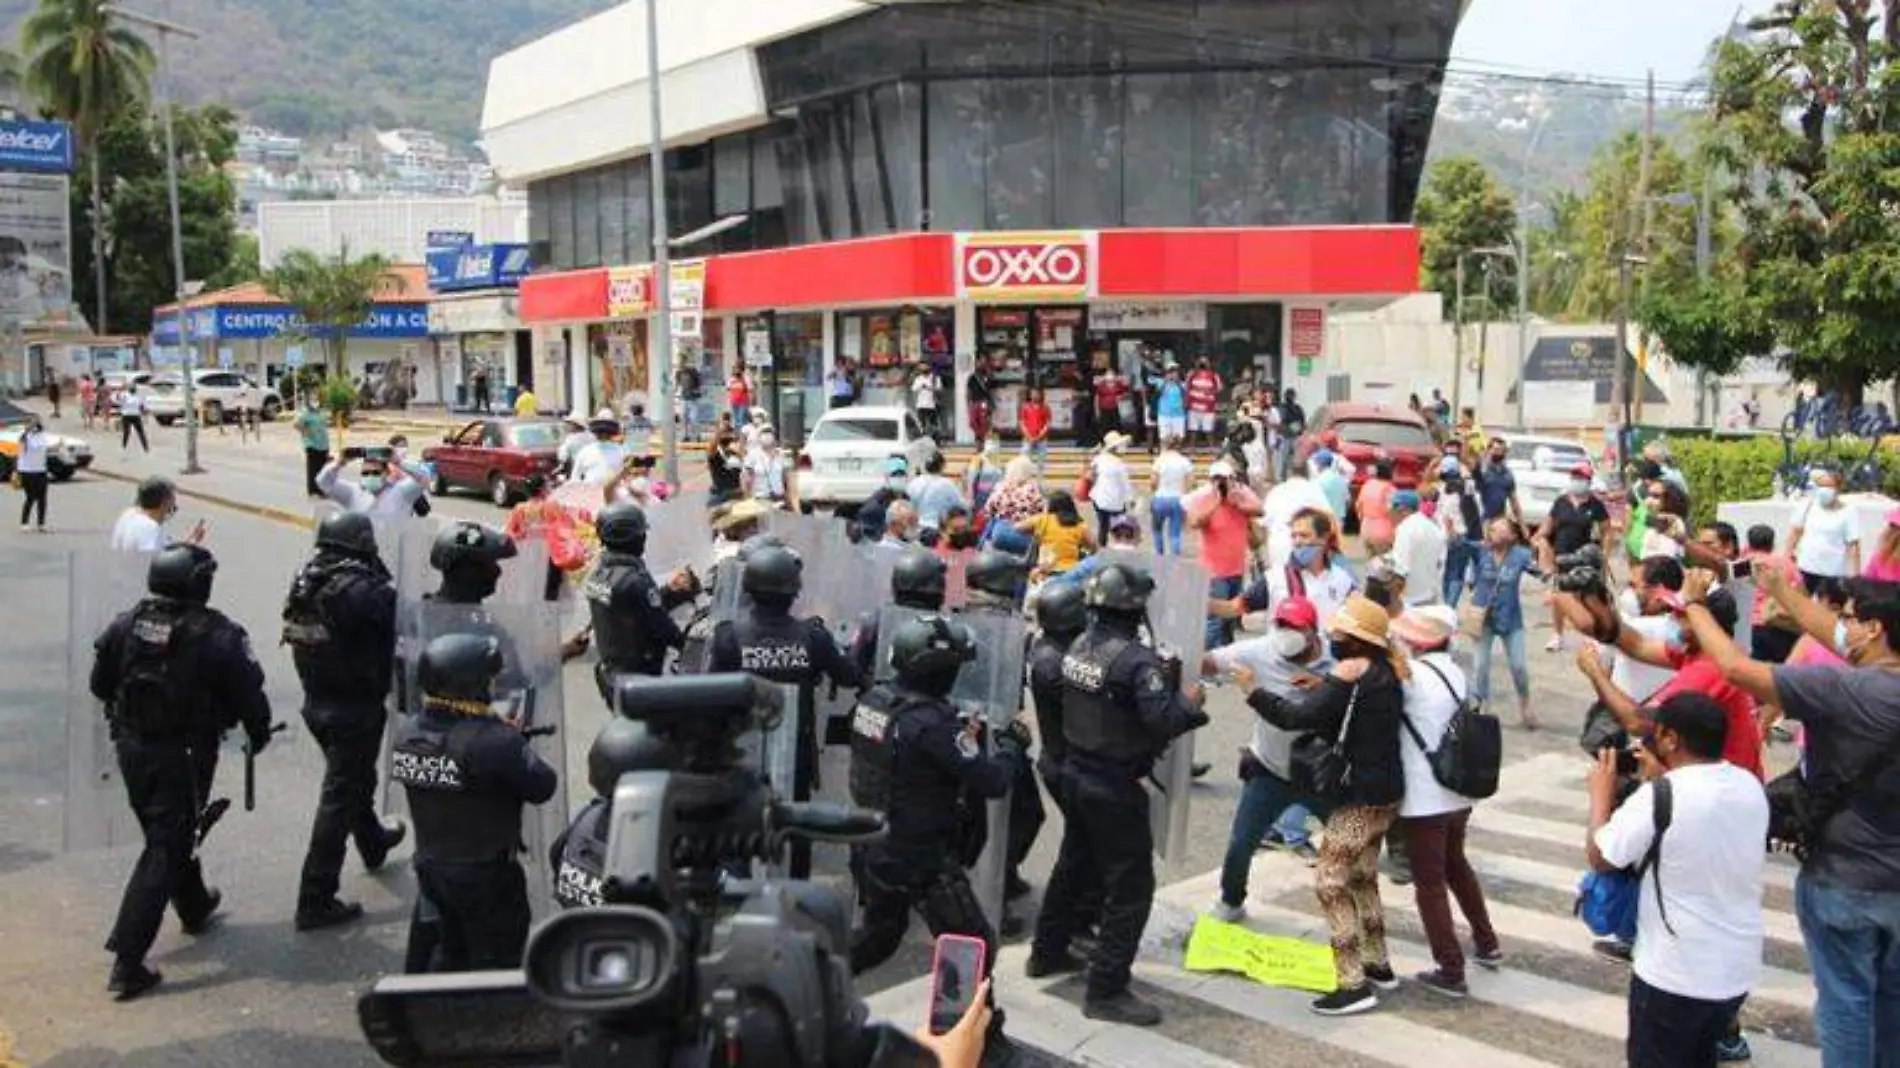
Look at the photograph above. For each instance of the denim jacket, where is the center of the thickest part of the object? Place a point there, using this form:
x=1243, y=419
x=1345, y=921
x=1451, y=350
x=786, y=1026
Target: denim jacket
x=1496, y=588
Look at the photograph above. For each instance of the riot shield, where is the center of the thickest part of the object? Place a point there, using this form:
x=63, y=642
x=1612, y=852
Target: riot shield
x=529, y=691
x=1177, y=621
x=101, y=585
x=678, y=536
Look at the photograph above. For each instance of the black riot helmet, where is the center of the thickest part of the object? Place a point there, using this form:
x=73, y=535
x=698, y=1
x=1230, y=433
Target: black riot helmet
x=773, y=572
x=622, y=528
x=624, y=745
x=998, y=574
x=927, y=652
x=469, y=555
x=759, y=543
x=349, y=533
x=1062, y=610
x=182, y=572
x=459, y=668
x=1119, y=589
x=917, y=580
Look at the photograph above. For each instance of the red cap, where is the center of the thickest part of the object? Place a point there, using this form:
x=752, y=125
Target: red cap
x=1583, y=471
x=1297, y=613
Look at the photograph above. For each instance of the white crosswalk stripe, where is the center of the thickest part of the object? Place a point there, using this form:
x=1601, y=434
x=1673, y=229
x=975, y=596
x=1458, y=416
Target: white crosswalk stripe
x=1553, y=1005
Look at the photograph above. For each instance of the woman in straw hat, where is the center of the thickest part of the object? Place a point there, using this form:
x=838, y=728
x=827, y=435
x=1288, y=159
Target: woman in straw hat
x=1360, y=703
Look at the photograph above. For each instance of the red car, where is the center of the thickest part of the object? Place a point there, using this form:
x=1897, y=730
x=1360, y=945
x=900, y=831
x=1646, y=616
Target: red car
x=496, y=456
x=1366, y=433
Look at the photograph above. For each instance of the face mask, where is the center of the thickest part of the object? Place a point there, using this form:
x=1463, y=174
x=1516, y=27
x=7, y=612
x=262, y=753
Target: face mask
x=1841, y=640
x=374, y=484
x=1826, y=496
x=1288, y=644
x=962, y=539
x=1579, y=487
x=1672, y=634
x=1305, y=555
x=1341, y=649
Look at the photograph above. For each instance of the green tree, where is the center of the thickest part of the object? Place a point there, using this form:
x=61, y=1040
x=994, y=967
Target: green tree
x=87, y=69
x=1462, y=207
x=334, y=293
x=1611, y=221
x=244, y=265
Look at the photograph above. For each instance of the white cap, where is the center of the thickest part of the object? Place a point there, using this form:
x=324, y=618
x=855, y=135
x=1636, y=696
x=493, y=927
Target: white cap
x=1220, y=469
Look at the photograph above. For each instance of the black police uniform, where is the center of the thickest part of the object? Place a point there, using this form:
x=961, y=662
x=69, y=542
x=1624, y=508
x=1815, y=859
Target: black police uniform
x=937, y=779
x=175, y=675
x=467, y=777
x=1120, y=709
x=340, y=622
x=1045, y=690
x=633, y=627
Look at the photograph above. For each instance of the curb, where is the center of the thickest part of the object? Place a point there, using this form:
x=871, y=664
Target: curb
x=261, y=511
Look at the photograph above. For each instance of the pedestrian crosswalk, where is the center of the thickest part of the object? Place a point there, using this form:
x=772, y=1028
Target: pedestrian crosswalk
x=1554, y=1004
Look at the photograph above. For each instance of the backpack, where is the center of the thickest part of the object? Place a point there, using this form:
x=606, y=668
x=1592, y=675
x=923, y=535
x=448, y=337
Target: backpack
x=1470, y=754
x=308, y=626
x=151, y=700
x=1608, y=901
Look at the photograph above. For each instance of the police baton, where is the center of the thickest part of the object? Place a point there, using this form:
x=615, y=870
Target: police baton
x=250, y=771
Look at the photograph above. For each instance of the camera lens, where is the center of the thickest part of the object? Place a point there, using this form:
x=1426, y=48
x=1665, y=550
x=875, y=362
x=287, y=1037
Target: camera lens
x=610, y=965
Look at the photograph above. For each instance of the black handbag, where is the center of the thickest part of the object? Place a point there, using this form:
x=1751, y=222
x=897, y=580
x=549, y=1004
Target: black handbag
x=1321, y=768
x=1798, y=814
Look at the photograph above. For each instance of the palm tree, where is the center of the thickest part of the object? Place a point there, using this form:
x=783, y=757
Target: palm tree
x=85, y=68
x=334, y=293
x=9, y=78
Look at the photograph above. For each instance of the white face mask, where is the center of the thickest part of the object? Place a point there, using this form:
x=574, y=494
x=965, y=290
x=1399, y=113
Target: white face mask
x=1288, y=644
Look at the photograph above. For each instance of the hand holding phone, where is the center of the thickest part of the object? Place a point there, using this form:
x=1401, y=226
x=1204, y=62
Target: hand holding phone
x=956, y=971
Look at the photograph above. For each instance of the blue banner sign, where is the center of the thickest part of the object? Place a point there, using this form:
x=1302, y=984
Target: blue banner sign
x=43, y=147
x=258, y=322
x=477, y=267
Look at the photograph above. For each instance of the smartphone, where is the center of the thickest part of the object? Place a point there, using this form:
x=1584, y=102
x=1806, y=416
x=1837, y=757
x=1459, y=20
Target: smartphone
x=1742, y=569
x=353, y=453
x=956, y=970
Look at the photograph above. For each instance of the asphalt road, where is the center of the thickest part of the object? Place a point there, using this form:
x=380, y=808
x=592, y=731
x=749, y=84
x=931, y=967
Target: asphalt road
x=253, y=991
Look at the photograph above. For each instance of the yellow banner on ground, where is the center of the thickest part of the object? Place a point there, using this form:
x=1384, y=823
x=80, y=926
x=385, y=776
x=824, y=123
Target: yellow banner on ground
x=1271, y=960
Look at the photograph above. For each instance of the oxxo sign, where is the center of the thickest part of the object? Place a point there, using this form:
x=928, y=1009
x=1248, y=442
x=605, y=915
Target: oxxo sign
x=1024, y=266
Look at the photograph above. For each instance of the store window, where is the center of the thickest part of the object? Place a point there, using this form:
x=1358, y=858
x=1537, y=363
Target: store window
x=617, y=363
x=886, y=345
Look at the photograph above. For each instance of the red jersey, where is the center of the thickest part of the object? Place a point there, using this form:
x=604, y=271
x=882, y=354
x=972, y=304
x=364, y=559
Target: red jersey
x=1699, y=674
x=1035, y=418
x=1203, y=391
x=1108, y=395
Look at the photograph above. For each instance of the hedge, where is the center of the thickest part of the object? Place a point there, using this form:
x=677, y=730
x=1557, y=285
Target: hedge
x=1720, y=471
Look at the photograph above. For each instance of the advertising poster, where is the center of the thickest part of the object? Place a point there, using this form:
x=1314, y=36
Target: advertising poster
x=36, y=287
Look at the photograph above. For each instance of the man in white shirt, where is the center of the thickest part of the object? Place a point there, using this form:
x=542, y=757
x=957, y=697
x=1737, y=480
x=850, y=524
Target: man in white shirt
x=1699, y=919
x=383, y=490
x=1113, y=490
x=131, y=408
x=141, y=528
x=923, y=390
x=1418, y=551
x=601, y=462
x=1286, y=499
x=765, y=471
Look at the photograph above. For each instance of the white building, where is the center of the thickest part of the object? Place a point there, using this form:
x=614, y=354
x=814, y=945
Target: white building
x=397, y=229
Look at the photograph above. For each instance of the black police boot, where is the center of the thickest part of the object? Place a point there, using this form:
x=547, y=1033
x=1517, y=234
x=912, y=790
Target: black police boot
x=203, y=920
x=330, y=913
x=1015, y=886
x=393, y=835
x=130, y=978
x=1122, y=1008
x=1040, y=967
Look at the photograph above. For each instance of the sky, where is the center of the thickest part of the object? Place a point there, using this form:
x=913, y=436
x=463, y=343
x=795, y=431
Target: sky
x=1616, y=38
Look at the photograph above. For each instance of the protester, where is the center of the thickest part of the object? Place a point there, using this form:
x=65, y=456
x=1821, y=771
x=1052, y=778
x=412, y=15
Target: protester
x=1203, y=401
x=1111, y=488
x=1665, y=520
x=601, y=461
x=900, y=526
x=1576, y=519
x=1060, y=533
x=739, y=394
x=981, y=476
x=1699, y=932
x=1432, y=818
x=933, y=495
x=1035, y=418
x=1289, y=656
x=141, y=528
x=1772, y=632
x=923, y=394
x=1501, y=567
x=88, y=399
x=1315, y=569
x=1825, y=537
x=1419, y=551
x=1657, y=452
x=725, y=468
x=1361, y=703
x=383, y=490
x=767, y=473
x=1496, y=485
x=1333, y=482
x=1019, y=496
x=1168, y=482
x=1289, y=497
x=1374, y=508
x=1222, y=512
x=1171, y=409
x=976, y=399
x=131, y=408
x=1883, y=565
x=1111, y=389
x=1293, y=424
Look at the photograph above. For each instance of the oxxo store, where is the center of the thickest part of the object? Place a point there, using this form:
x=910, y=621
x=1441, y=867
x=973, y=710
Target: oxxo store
x=1047, y=310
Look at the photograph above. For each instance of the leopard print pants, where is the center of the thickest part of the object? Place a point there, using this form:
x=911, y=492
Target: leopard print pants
x=1348, y=889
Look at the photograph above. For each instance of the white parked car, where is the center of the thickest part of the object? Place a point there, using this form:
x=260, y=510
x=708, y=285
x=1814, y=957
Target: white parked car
x=1542, y=466
x=847, y=453
x=220, y=395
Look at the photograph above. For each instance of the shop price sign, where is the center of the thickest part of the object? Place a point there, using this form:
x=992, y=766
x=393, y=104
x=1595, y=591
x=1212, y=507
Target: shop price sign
x=629, y=292
x=1025, y=266
x=1307, y=332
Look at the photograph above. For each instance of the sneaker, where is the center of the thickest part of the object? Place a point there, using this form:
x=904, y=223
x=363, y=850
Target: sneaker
x=1272, y=840
x=393, y=836
x=1122, y=1008
x=1382, y=977
x=1436, y=982
x=1400, y=876
x=1041, y=967
x=1347, y=1002
x=199, y=924
x=331, y=913
x=1199, y=770
x=1301, y=849
x=1490, y=961
x=1554, y=645
x=131, y=980
x=1226, y=913
x=26, y=528
x=1613, y=949
x=1733, y=1049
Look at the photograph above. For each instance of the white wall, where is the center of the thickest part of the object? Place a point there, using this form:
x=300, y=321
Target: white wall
x=397, y=229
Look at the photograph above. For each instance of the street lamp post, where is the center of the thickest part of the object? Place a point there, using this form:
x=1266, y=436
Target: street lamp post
x=1458, y=323
x=1524, y=268
x=1619, y=377
x=662, y=249
x=166, y=30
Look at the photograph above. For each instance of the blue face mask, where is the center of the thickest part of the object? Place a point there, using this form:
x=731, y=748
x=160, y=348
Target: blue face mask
x=1840, y=639
x=1305, y=555
x=374, y=483
x=1825, y=496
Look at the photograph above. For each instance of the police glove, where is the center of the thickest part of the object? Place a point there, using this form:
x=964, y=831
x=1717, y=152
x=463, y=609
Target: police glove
x=1015, y=736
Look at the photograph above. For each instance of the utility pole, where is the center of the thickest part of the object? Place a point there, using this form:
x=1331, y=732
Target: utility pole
x=1524, y=270
x=1704, y=262
x=1640, y=379
x=1458, y=342
x=661, y=351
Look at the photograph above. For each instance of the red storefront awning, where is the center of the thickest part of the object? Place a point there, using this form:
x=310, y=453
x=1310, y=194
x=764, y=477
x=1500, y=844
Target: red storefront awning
x=1334, y=261
x=565, y=296
x=901, y=269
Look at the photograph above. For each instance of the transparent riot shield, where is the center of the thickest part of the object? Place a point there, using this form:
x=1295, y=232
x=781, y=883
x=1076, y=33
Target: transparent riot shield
x=524, y=576
x=889, y=618
x=102, y=584
x=529, y=692
x=678, y=536
x=1177, y=623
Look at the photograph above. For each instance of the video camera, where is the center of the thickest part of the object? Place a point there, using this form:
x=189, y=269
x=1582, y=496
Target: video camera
x=689, y=965
x=1584, y=573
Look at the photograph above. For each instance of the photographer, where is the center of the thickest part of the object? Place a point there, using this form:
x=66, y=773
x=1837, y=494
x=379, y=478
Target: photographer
x=383, y=490
x=1848, y=893
x=1576, y=519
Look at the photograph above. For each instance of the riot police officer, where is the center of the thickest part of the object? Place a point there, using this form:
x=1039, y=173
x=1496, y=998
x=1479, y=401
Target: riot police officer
x=468, y=773
x=1122, y=705
x=937, y=776
x=469, y=558
x=631, y=613
x=771, y=643
x=1061, y=616
x=578, y=857
x=174, y=675
x=918, y=579
x=340, y=624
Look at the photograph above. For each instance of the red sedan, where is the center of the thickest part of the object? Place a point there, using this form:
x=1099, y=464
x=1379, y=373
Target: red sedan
x=1366, y=433
x=496, y=456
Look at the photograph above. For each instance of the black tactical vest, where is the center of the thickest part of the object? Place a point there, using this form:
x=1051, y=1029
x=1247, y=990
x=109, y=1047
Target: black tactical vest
x=1098, y=706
